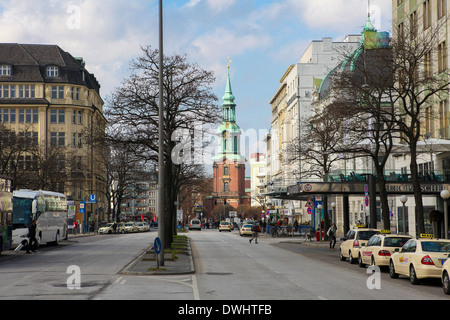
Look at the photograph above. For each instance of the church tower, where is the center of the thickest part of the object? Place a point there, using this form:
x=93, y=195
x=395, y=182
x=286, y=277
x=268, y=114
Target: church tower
x=229, y=164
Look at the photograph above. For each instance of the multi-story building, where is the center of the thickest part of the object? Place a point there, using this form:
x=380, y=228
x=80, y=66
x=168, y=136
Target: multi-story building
x=420, y=19
x=49, y=107
x=258, y=179
x=291, y=107
x=140, y=199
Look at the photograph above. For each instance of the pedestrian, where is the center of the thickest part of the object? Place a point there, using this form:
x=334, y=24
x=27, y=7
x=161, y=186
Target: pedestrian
x=332, y=235
x=114, y=226
x=32, y=242
x=254, y=233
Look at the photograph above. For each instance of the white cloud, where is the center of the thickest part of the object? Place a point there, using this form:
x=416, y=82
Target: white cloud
x=341, y=15
x=220, y=5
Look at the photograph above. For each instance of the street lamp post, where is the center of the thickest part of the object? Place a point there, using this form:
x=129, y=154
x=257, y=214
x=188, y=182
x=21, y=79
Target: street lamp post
x=403, y=200
x=445, y=194
x=161, y=206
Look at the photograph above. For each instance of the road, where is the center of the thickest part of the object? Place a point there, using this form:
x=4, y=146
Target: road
x=227, y=266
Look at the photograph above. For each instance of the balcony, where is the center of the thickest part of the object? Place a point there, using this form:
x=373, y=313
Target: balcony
x=390, y=176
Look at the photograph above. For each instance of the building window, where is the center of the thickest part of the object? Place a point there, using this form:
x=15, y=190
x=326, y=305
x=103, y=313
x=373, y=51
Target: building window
x=442, y=56
x=27, y=91
x=426, y=14
x=441, y=7
x=226, y=187
x=57, y=116
x=57, y=92
x=52, y=72
x=75, y=93
x=5, y=70
x=226, y=171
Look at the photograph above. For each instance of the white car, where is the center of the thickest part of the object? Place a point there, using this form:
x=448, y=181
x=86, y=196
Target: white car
x=130, y=227
x=195, y=224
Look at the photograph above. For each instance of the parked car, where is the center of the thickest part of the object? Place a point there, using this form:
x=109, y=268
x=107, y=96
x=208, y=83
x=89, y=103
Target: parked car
x=353, y=241
x=379, y=249
x=420, y=258
x=130, y=227
x=109, y=228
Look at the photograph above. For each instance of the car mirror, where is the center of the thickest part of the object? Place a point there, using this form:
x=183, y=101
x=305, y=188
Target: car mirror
x=344, y=239
x=397, y=250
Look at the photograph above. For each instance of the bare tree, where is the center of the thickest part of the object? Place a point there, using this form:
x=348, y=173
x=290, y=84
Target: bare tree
x=134, y=107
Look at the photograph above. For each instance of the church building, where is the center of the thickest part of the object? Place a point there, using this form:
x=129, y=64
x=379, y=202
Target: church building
x=229, y=164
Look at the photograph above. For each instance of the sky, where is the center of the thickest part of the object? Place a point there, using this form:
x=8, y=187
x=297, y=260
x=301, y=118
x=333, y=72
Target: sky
x=261, y=37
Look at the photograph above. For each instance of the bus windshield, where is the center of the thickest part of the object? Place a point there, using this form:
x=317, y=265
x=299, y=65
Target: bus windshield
x=22, y=211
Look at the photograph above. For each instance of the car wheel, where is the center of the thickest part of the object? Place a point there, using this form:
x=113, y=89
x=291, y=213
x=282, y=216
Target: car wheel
x=445, y=283
x=392, y=270
x=360, y=262
x=350, y=257
x=413, y=275
x=341, y=256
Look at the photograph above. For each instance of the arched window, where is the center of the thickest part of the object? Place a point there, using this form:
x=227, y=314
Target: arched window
x=226, y=187
x=235, y=145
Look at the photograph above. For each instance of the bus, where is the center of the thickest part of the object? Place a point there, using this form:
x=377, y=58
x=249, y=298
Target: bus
x=48, y=208
x=6, y=214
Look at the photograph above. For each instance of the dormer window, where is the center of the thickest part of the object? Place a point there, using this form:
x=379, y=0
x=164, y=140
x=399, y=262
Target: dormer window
x=5, y=70
x=52, y=72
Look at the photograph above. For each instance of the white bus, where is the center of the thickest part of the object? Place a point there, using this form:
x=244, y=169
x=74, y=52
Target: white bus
x=49, y=209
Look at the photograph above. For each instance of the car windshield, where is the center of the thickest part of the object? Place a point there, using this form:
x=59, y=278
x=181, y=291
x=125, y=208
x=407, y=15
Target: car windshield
x=195, y=221
x=224, y=223
x=436, y=246
x=366, y=235
x=129, y=224
x=247, y=226
x=109, y=225
x=395, y=241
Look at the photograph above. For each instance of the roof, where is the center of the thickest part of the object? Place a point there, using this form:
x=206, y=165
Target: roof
x=29, y=63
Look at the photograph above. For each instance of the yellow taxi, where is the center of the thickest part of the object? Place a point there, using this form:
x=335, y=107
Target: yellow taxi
x=380, y=247
x=224, y=226
x=445, y=277
x=246, y=229
x=420, y=258
x=353, y=241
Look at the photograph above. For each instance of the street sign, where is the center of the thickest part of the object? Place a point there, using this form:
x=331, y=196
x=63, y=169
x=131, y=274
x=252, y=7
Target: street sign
x=309, y=210
x=82, y=207
x=310, y=203
x=92, y=198
x=366, y=200
x=157, y=245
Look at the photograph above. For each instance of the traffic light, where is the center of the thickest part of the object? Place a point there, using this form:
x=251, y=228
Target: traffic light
x=215, y=202
x=224, y=201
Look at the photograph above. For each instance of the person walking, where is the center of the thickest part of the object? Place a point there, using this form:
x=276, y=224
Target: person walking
x=254, y=233
x=32, y=242
x=332, y=235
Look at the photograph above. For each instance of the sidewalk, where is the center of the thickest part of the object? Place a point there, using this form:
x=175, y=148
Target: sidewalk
x=146, y=263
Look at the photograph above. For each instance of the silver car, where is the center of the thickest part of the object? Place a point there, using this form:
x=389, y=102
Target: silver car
x=195, y=224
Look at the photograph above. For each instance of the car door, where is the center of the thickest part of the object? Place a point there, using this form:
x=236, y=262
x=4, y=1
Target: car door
x=367, y=250
x=404, y=258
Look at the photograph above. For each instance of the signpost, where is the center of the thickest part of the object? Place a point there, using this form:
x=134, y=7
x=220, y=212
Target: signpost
x=157, y=246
